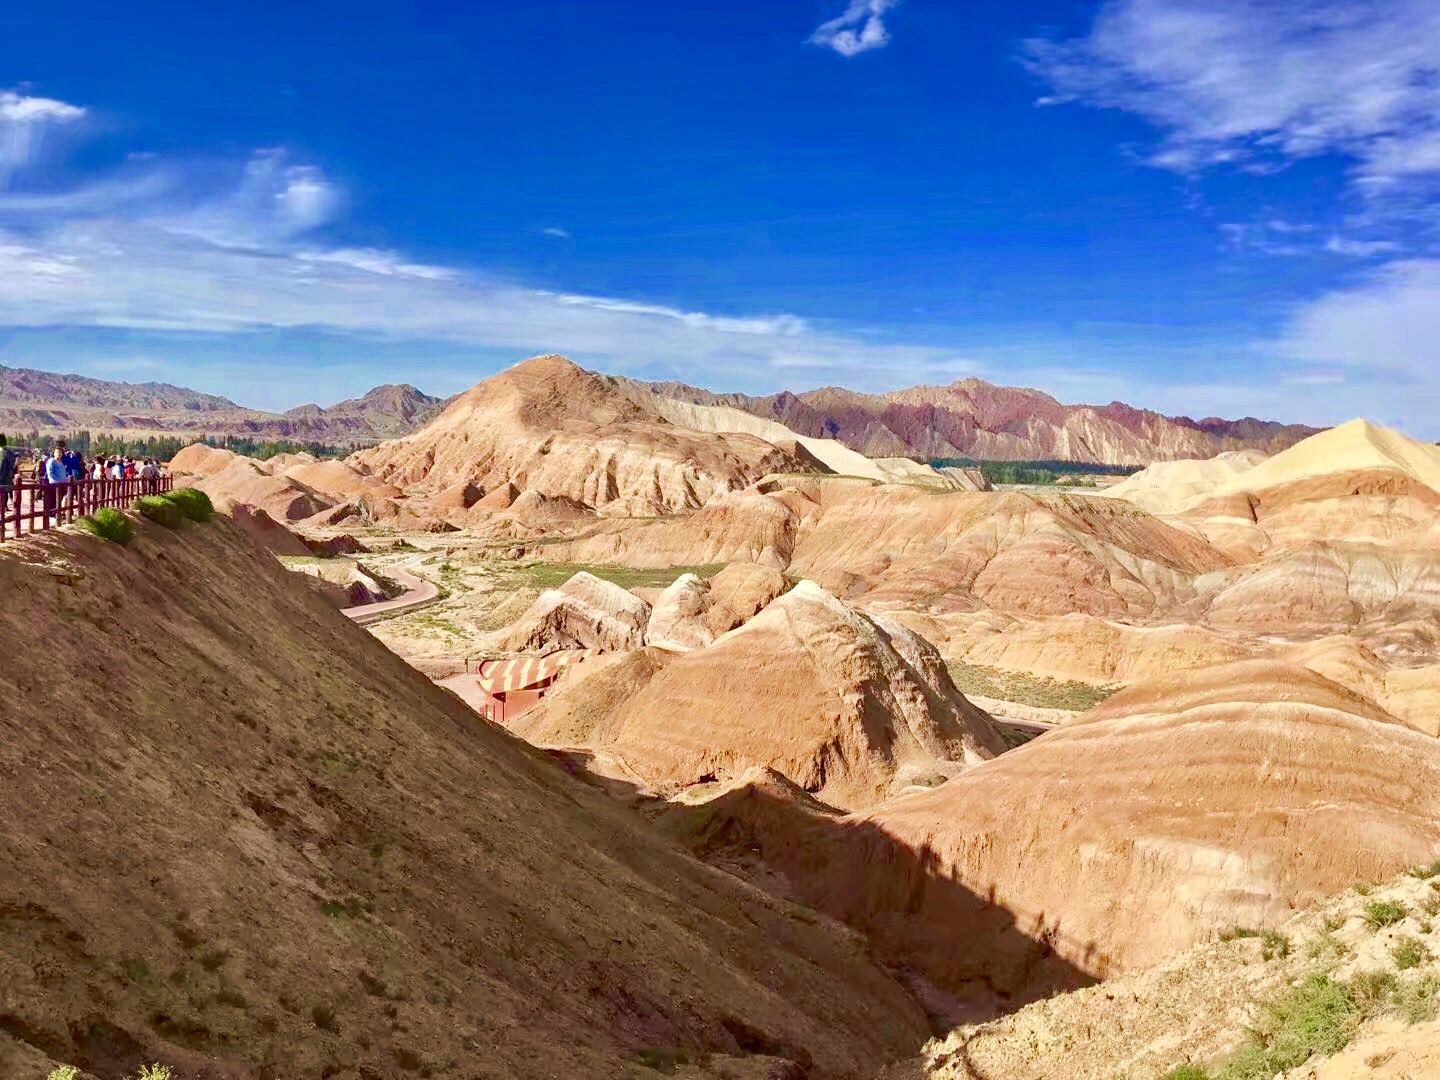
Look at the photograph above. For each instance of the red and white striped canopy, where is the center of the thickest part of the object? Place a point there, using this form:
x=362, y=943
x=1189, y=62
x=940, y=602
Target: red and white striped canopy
x=523, y=672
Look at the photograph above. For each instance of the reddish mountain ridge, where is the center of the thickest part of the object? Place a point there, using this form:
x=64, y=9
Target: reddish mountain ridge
x=44, y=400
x=976, y=419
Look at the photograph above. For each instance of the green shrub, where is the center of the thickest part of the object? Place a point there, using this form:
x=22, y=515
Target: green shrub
x=154, y=1072
x=1364, y=888
x=1409, y=952
x=1333, y=923
x=1372, y=989
x=1430, y=905
x=64, y=1072
x=1318, y=1016
x=109, y=525
x=1186, y=1072
x=1425, y=873
x=1274, y=945
x=1380, y=913
x=193, y=503
x=1236, y=933
x=1325, y=946
x=1415, y=1000
x=160, y=510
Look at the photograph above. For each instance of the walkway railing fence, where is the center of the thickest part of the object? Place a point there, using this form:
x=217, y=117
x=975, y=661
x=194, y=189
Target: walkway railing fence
x=31, y=507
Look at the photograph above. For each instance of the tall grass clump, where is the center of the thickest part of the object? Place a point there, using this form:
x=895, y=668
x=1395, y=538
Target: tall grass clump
x=160, y=510
x=1316, y=1017
x=1380, y=913
x=109, y=525
x=193, y=503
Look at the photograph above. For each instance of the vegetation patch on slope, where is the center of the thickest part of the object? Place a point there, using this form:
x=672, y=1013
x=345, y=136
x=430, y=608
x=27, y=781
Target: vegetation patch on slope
x=1023, y=688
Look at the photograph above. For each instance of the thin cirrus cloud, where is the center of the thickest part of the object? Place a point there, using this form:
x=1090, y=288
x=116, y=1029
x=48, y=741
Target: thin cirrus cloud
x=858, y=29
x=1257, y=84
x=164, y=247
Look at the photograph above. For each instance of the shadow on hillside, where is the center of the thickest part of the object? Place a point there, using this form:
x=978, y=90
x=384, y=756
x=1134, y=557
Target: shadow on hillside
x=966, y=957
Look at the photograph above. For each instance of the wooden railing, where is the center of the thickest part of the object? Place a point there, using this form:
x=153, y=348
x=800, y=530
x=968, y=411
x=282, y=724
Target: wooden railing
x=31, y=507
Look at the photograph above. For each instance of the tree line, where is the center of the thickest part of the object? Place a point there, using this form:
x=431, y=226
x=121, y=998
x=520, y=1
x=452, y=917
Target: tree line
x=164, y=447
x=1035, y=472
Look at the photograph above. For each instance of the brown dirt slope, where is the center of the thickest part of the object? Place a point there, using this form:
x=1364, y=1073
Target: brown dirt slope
x=242, y=838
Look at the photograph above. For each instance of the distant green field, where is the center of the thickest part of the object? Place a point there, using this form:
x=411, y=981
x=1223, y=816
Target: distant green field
x=546, y=575
x=1025, y=689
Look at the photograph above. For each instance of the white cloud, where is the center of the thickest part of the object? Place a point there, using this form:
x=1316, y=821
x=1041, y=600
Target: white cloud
x=375, y=261
x=275, y=200
x=1390, y=322
x=18, y=109
x=1258, y=83
x=555, y=231
x=25, y=123
x=1362, y=249
x=860, y=28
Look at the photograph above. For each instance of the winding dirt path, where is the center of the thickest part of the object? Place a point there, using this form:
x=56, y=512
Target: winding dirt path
x=418, y=592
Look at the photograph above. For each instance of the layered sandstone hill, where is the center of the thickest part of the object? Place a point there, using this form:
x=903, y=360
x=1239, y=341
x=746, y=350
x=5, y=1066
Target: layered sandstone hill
x=548, y=427
x=848, y=707
x=1352, y=451
x=975, y=419
x=1181, y=807
x=243, y=839
x=288, y=487
x=905, y=548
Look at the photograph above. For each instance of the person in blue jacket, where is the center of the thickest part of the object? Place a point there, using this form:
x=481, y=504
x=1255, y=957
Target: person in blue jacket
x=55, y=475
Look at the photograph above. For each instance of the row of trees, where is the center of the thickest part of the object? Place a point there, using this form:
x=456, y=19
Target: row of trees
x=1035, y=472
x=164, y=447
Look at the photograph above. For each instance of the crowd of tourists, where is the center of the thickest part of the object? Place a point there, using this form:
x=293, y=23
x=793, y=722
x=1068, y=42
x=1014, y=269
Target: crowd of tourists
x=62, y=468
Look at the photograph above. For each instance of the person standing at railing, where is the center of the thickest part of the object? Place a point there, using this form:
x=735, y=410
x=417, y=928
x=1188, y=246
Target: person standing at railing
x=56, y=476
x=150, y=473
x=9, y=465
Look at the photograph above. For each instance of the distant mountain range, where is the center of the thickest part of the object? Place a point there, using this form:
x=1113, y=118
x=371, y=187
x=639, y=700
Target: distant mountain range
x=44, y=401
x=975, y=419
x=966, y=419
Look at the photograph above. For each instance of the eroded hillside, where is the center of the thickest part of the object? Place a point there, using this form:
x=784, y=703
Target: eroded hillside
x=242, y=838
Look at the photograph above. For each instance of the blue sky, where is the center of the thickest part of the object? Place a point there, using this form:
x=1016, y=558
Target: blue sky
x=1203, y=206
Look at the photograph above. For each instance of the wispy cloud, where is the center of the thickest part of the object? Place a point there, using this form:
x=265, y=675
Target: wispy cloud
x=860, y=28
x=24, y=123
x=555, y=231
x=1259, y=84
x=1360, y=249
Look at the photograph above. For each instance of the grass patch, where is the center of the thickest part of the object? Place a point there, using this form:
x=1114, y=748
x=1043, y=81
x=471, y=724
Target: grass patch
x=193, y=503
x=543, y=575
x=1238, y=933
x=1274, y=945
x=1316, y=1017
x=1364, y=888
x=109, y=524
x=1426, y=872
x=160, y=510
x=1026, y=689
x=1186, y=1072
x=1331, y=923
x=1430, y=905
x=1409, y=952
x=1326, y=947
x=1380, y=913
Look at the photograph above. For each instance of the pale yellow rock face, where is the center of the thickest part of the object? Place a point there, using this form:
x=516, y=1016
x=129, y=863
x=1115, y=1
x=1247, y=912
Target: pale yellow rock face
x=680, y=620
x=585, y=613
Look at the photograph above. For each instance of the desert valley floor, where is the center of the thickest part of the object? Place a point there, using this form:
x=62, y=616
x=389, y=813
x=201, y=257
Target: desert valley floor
x=853, y=767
